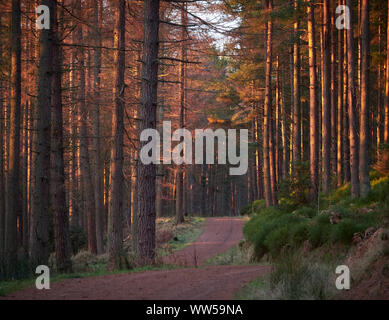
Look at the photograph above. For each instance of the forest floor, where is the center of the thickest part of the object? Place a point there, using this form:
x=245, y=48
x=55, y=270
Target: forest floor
x=194, y=282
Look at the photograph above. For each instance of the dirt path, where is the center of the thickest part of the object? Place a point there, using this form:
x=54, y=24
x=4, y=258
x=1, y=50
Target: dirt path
x=211, y=282
x=219, y=235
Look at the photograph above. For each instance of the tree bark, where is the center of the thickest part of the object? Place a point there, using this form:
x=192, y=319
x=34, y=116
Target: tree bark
x=313, y=108
x=61, y=218
x=296, y=89
x=346, y=139
x=333, y=89
x=386, y=120
x=2, y=172
x=98, y=168
x=39, y=253
x=148, y=115
x=379, y=116
x=85, y=167
x=13, y=184
x=74, y=182
x=267, y=114
x=352, y=114
x=339, y=158
x=180, y=173
x=326, y=103
x=115, y=232
x=365, y=108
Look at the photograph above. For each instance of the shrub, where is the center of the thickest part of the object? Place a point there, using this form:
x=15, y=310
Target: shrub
x=294, y=278
x=374, y=175
x=254, y=207
x=341, y=193
x=259, y=205
x=85, y=261
x=273, y=229
x=246, y=210
x=257, y=222
x=319, y=230
x=299, y=233
x=379, y=190
x=307, y=212
x=276, y=240
x=343, y=231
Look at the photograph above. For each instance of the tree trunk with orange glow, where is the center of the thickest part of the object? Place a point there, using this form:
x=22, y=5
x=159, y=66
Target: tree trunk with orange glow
x=115, y=232
x=386, y=120
x=339, y=156
x=97, y=163
x=267, y=118
x=364, y=133
x=352, y=108
x=86, y=174
x=296, y=91
x=313, y=108
x=326, y=102
x=2, y=172
x=13, y=186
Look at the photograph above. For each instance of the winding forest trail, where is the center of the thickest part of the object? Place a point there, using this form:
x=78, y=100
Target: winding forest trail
x=192, y=283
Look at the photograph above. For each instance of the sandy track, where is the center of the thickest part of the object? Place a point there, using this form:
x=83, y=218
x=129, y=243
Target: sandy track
x=211, y=282
x=214, y=282
x=219, y=235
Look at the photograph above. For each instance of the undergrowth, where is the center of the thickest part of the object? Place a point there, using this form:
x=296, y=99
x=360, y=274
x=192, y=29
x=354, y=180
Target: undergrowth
x=271, y=229
x=305, y=242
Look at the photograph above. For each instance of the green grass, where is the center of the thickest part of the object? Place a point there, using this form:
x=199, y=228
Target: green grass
x=183, y=234
x=240, y=254
x=292, y=278
x=252, y=290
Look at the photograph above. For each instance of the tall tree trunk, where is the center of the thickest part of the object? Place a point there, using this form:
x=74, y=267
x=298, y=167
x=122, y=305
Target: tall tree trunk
x=2, y=166
x=180, y=174
x=296, y=90
x=326, y=102
x=365, y=108
x=13, y=185
x=148, y=115
x=86, y=175
x=40, y=229
x=352, y=114
x=61, y=217
x=285, y=135
x=339, y=158
x=386, y=120
x=25, y=180
x=313, y=108
x=333, y=98
x=379, y=116
x=278, y=159
x=134, y=225
x=98, y=168
x=346, y=140
x=74, y=184
x=267, y=114
x=115, y=232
